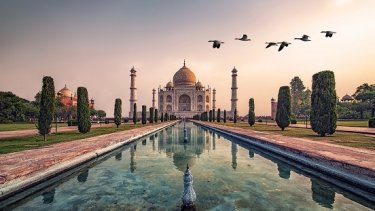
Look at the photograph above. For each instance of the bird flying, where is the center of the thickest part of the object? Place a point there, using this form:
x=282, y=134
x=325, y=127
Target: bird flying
x=303, y=38
x=328, y=33
x=243, y=38
x=283, y=44
x=269, y=44
x=216, y=43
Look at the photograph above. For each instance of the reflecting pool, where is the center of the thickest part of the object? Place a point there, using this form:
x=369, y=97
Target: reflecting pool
x=228, y=175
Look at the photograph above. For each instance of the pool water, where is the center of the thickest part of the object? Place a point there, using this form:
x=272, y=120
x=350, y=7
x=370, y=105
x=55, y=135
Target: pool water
x=228, y=175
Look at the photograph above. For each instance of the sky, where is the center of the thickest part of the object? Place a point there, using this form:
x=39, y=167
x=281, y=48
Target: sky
x=95, y=44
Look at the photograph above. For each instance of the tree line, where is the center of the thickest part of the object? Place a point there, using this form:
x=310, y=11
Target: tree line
x=47, y=107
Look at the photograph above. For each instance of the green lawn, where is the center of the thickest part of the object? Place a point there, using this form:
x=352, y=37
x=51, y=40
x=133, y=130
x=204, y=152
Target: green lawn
x=347, y=123
x=23, y=126
x=31, y=142
x=354, y=123
x=340, y=138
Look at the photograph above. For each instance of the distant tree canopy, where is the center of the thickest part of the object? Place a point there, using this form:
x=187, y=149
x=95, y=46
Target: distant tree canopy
x=300, y=98
x=16, y=109
x=101, y=114
x=365, y=93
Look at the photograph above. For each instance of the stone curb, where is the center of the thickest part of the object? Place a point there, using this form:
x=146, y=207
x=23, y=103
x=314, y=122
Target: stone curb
x=360, y=184
x=21, y=184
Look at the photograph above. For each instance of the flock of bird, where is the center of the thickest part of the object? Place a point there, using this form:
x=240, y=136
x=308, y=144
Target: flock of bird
x=305, y=38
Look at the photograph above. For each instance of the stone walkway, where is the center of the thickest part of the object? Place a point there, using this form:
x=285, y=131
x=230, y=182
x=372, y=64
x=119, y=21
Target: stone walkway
x=23, y=164
x=355, y=156
x=363, y=130
x=31, y=132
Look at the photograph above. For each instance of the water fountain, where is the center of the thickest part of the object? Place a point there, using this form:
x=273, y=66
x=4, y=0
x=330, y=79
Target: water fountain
x=188, y=195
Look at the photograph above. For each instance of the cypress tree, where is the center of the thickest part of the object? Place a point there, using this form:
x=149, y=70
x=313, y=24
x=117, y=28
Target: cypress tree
x=83, y=110
x=213, y=115
x=225, y=116
x=166, y=117
x=46, y=106
x=156, y=115
x=323, y=103
x=218, y=115
x=283, y=107
x=152, y=115
x=135, y=118
x=144, y=117
x=117, y=112
x=251, y=118
x=210, y=116
x=235, y=116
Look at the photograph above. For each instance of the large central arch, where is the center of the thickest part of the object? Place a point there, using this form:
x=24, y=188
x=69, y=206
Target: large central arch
x=184, y=103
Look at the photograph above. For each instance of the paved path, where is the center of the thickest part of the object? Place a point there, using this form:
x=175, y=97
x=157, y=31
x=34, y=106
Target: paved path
x=348, y=155
x=364, y=130
x=27, y=163
x=31, y=132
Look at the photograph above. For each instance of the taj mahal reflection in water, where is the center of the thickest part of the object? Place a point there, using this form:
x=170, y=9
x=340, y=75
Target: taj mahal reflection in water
x=226, y=173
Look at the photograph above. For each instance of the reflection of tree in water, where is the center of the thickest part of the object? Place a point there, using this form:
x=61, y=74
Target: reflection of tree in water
x=322, y=193
x=234, y=155
x=152, y=138
x=48, y=196
x=251, y=153
x=213, y=143
x=82, y=177
x=284, y=170
x=118, y=156
x=161, y=141
x=133, y=164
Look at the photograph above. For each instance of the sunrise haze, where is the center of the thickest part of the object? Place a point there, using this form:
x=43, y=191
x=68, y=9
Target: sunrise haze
x=95, y=44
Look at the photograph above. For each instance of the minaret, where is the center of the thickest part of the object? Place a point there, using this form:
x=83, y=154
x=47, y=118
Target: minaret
x=273, y=108
x=234, y=92
x=214, y=98
x=153, y=98
x=133, y=91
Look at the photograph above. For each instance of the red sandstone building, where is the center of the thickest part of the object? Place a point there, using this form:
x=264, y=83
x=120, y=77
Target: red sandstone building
x=69, y=99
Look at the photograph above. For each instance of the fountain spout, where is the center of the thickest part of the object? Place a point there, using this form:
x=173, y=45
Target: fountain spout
x=188, y=195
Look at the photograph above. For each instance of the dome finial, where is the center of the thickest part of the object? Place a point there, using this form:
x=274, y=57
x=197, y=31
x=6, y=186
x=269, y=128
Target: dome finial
x=65, y=85
x=184, y=62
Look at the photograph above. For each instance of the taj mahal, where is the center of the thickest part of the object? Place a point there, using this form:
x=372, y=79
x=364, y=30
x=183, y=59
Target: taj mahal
x=184, y=96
